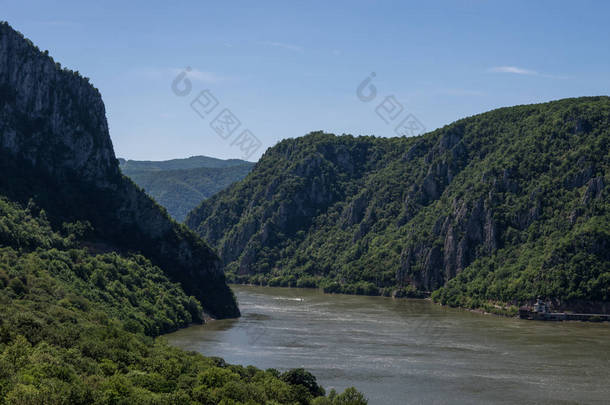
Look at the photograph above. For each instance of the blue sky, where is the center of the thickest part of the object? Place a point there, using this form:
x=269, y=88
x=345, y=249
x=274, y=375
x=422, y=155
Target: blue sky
x=287, y=68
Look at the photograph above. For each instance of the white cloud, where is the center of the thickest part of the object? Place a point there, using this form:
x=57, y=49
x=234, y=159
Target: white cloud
x=193, y=74
x=526, y=72
x=201, y=76
x=514, y=69
x=290, y=47
x=198, y=75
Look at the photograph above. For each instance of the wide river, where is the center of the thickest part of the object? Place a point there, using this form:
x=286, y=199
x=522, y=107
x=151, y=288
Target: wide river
x=410, y=351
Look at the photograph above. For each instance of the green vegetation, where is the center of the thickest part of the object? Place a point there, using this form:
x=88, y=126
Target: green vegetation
x=57, y=151
x=77, y=327
x=488, y=212
x=92, y=270
x=193, y=162
x=180, y=185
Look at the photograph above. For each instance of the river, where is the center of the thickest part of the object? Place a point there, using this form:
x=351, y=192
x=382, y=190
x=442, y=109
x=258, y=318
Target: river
x=410, y=351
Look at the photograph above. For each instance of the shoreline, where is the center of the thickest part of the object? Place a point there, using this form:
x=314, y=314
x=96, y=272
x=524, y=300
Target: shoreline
x=502, y=311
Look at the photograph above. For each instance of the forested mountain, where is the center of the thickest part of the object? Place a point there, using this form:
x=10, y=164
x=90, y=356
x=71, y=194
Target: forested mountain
x=500, y=207
x=180, y=185
x=192, y=162
x=77, y=327
x=91, y=269
x=56, y=150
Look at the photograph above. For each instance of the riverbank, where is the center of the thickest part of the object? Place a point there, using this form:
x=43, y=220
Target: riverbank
x=573, y=309
x=526, y=313
x=490, y=308
x=328, y=286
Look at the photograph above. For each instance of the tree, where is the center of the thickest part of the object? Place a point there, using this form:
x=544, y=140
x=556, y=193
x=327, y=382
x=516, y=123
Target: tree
x=300, y=376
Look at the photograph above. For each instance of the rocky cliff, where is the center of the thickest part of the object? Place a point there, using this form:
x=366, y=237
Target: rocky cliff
x=503, y=206
x=56, y=150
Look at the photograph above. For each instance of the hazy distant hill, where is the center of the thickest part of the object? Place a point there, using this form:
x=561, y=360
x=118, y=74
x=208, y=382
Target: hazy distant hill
x=181, y=184
x=192, y=162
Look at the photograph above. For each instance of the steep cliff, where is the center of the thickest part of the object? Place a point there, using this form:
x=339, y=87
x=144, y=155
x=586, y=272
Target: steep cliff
x=503, y=206
x=56, y=150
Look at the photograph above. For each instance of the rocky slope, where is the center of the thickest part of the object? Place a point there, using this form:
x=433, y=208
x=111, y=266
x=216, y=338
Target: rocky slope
x=499, y=207
x=56, y=150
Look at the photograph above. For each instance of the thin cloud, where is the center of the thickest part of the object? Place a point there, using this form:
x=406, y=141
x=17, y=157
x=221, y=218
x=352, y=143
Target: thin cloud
x=290, y=47
x=193, y=74
x=514, y=69
x=525, y=72
x=199, y=75
x=204, y=77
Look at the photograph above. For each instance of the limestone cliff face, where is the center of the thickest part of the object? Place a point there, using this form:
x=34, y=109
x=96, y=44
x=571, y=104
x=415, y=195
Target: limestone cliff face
x=468, y=232
x=52, y=117
x=54, y=141
x=483, y=198
x=304, y=184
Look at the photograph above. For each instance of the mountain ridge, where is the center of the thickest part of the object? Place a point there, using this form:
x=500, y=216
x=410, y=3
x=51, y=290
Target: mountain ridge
x=56, y=146
x=405, y=216
x=92, y=270
x=192, y=162
x=180, y=185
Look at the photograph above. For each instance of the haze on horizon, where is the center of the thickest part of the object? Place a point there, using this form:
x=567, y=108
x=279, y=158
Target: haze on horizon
x=287, y=69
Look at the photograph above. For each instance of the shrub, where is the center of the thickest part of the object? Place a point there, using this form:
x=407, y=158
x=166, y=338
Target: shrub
x=300, y=376
x=17, y=286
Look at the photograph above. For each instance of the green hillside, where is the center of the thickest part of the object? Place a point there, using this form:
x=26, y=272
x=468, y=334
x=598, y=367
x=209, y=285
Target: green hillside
x=500, y=207
x=77, y=327
x=92, y=270
x=55, y=149
x=180, y=185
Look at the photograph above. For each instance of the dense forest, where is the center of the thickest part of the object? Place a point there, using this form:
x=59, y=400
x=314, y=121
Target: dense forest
x=180, y=185
x=79, y=327
x=489, y=212
x=92, y=270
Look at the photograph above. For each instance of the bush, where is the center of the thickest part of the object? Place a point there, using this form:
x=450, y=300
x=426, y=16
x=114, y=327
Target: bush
x=17, y=286
x=350, y=397
x=307, y=282
x=300, y=376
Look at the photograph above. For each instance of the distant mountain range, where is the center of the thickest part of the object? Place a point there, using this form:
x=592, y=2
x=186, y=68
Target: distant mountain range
x=192, y=162
x=180, y=185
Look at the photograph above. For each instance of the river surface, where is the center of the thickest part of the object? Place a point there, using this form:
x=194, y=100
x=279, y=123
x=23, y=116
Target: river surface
x=410, y=351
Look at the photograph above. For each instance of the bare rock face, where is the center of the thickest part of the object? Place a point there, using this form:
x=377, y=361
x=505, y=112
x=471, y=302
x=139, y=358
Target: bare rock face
x=356, y=210
x=54, y=140
x=47, y=106
x=469, y=231
x=594, y=190
x=287, y=200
